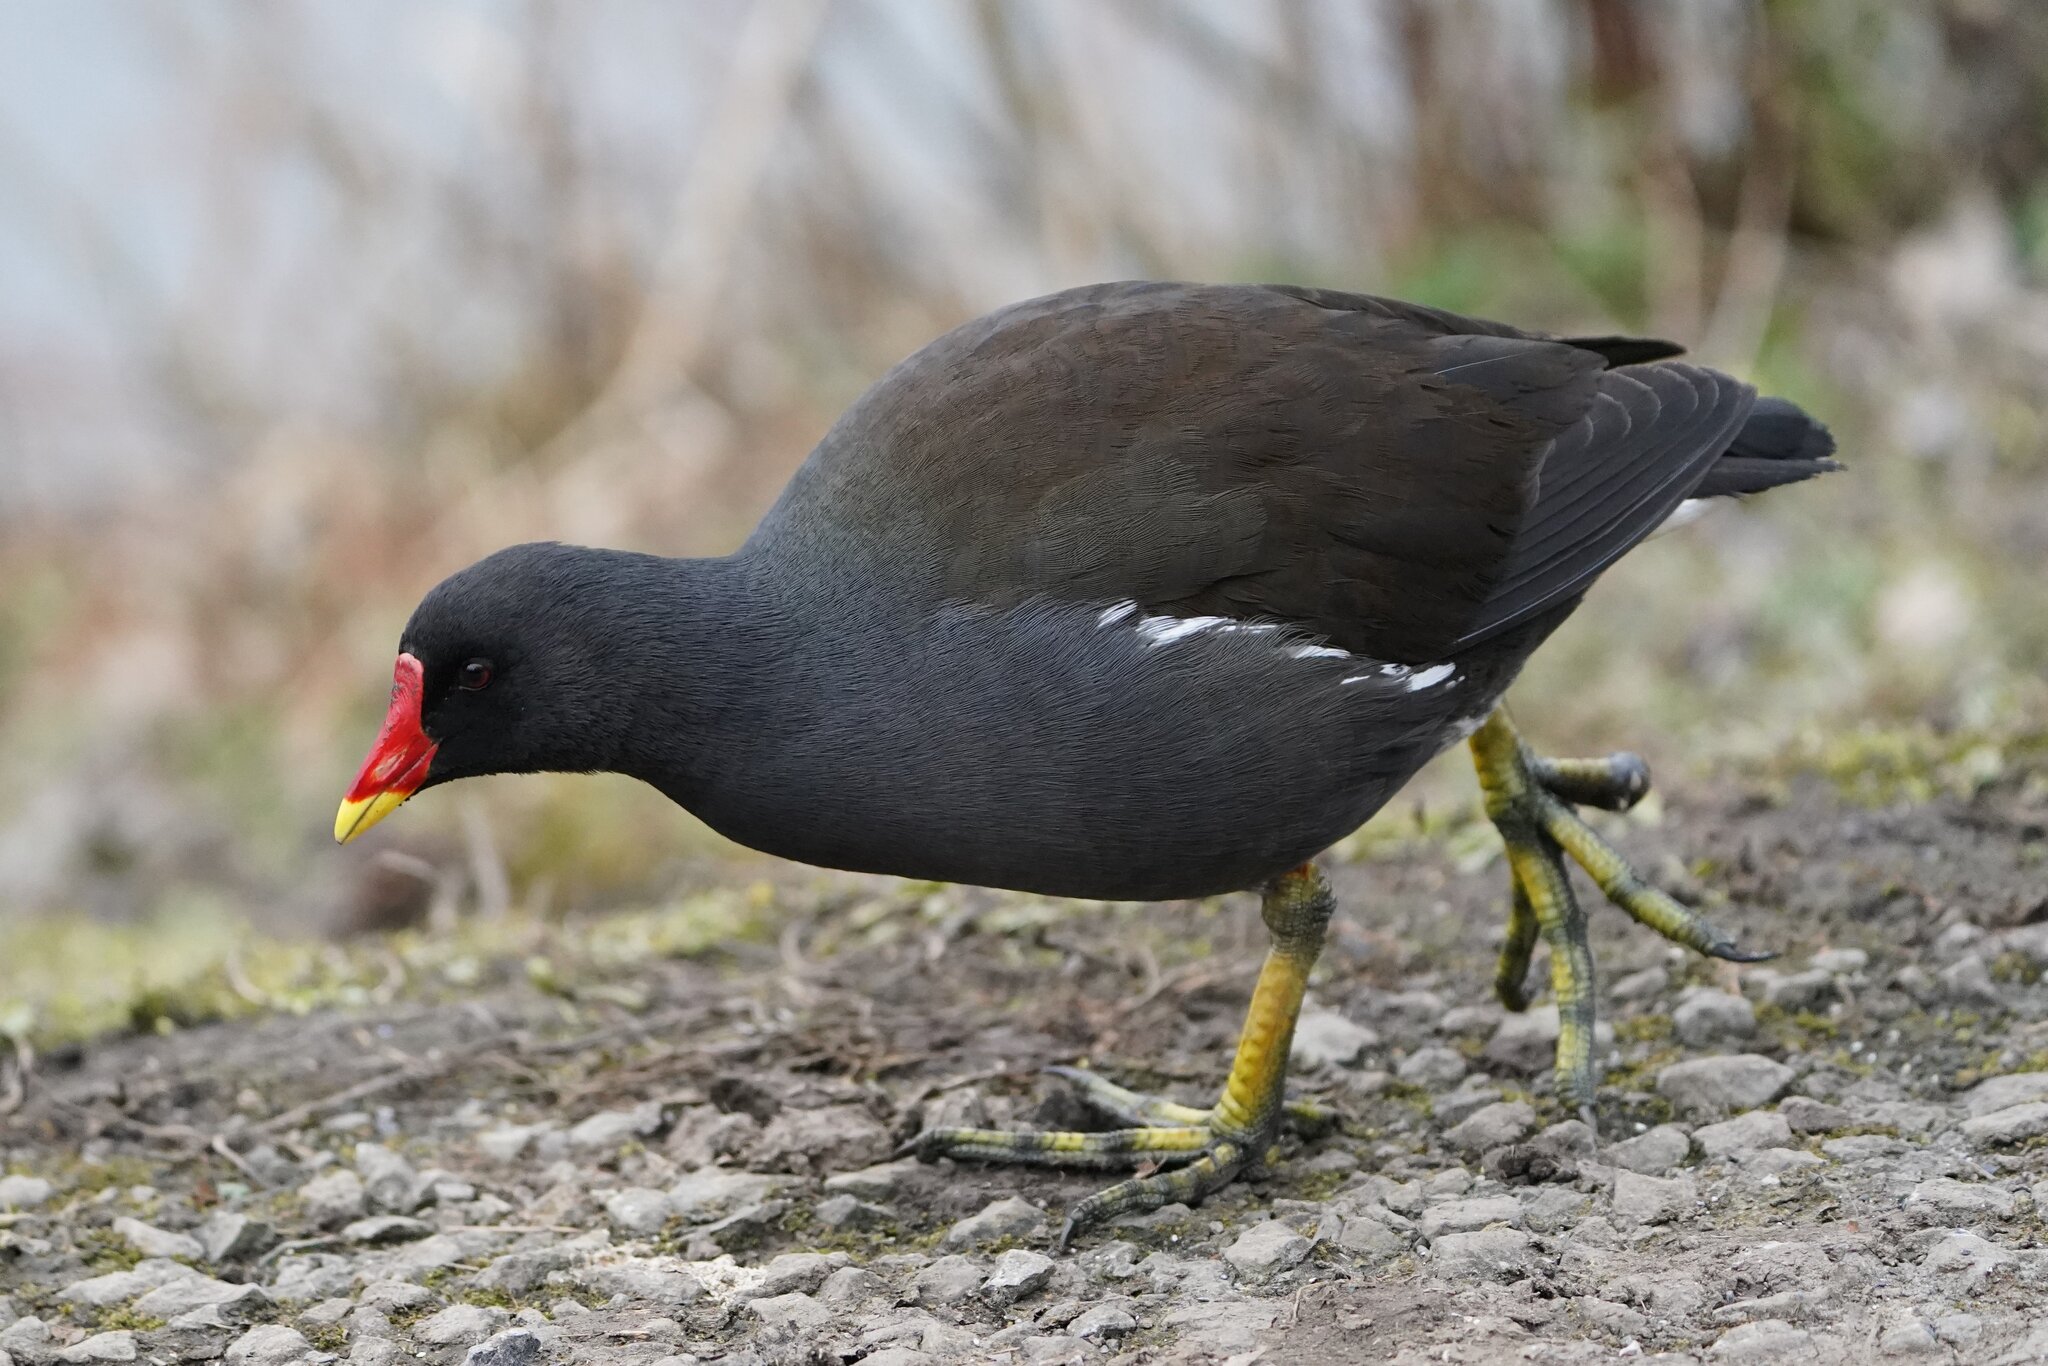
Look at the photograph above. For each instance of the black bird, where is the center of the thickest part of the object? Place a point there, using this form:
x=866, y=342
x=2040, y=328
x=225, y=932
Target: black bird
x=1140, y=590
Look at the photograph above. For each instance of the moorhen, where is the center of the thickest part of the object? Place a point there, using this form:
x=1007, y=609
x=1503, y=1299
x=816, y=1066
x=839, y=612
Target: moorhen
x=1136, y=591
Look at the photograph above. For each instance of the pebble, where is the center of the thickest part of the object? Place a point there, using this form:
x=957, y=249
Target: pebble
x=1435, y=1068
x=1641, y=985
x=243, y=1303
x=1103, y=1323
x=393, y=1297
x=1745, y=1134
x=795, y=1271
x=389, y=1181
x=1526, y=1042
x=1799, y=990
x=1492, y=1126
x=878, y=1182
x=1999, y=1093
x=24, y=1192
x=831, y=1139
x=1967, y=1255
x=642, y=1280
x=333, y=1198
x=637, y=1209
x=850, y=1212
x=1018, y=1273
x=458, y=1324
x=268, y=1344
x=795, y=1312
x=1710, y=1019
x=1652, y=1152
x=152, y=1241
x=1611, y=1317
x=1640, y=1199
x=509, y=1142
x=314, y=1277
x=229, y=1237
x=115, y=1346
x=1806, y=1115
x=1325, y=1038
x=1266, y=1249
x=513, y=1347
x=1465, y=1216
x=611, y=1129
x=1013, y=1217
x=848, y=1285
x=1473, y=1094
x=948, y=1280
x=1736, y=1081
x=1967, y=981
x=1946, y=1200
x=1841, y=962
x=1908, y=1337
x=381, y=1229
x=1222, y=1327
x=2014, y=1124
x=1765, y=1340
x=118, y=1287
x=1490, y=1254
x=704, y=1195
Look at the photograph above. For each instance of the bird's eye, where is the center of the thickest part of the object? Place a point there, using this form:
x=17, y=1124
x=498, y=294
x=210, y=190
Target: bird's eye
x=475, y=676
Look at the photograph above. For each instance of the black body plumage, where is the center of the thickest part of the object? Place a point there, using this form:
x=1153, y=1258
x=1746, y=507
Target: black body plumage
x=1133, y=591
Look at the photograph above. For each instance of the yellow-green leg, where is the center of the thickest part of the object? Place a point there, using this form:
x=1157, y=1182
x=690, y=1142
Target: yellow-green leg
x=1199, y=1151
x=1530, y=801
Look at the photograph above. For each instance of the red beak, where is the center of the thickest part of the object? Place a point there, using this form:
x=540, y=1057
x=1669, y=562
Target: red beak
x=398, y=761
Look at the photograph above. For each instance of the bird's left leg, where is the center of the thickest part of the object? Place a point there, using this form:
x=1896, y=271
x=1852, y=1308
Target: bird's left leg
x=1530, y=801
x=1199, y=1151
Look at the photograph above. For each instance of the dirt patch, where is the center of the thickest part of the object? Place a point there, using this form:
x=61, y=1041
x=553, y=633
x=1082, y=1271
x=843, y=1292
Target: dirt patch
x=688, y=1158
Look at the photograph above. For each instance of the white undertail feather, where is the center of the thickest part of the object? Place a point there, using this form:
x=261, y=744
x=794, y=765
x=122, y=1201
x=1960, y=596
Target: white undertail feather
x=1163, y=630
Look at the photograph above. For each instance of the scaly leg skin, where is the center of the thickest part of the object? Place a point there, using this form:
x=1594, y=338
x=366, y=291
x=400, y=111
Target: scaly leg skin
x=1199, y=1151
x=1530, y=801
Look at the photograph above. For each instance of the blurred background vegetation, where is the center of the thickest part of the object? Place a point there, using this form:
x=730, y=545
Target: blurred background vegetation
x=304, y=306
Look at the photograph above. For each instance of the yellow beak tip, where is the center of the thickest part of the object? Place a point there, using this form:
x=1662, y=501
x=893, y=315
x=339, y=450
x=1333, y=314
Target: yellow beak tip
x=355, y=817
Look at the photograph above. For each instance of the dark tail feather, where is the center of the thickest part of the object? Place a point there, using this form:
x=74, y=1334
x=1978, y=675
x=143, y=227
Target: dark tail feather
x=1778, y=444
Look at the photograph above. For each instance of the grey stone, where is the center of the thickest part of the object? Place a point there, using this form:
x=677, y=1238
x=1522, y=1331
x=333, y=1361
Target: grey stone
x=1488, y=1254
x=833, y=1139
x=332, y=1198
x=411, y=1260
x=1745, y=1134
x=268, y=1344
x=152, y=1241
x=28, y=1339
x=1222, y=1328
x=888, y=1356
x=1640, y=1199
x=459, y=1324
x=522, y=1273
x=703, y=1195
x=114, y=1346
x=1553, y=1209
x=382, y=1352
x=1008, y=1218
x=1325, y=1038
x=1736, y=1081
x=1798, y=990
x=510, y=1142
x=1968, y=981
x=848, y=1211
x=1618, y=1319
x=1641, y=985
x=637, y=1209
x=1841, y=962
x=1966, y=1255
x=1908, y=1338
x=118, y=1287
x=1766, y=1340
x=1435, y=1068
x=849, y=1285
x=948, y=1280
x=317, y=1276
x=795, y=1271
x=1806, y=1115
x=396, y=1297
x=1503, y=1122
x=878, y=1182
x=1999, y=1093
x=610, y=1129
x=1711, y=1019
x=1018, y=1273
x=1103, y=1323
x=1567, y=1138
x=229, y=1237
x=24, y=1192
x=1865, y=1148
x=237, y=1303
x=389, y=1181
x=1465, y=1216
x=794, y=1312
x=2013, y=1124
x=1472, y=1096
x=1266, y=1249
x=642, y=1280
x=1652, y=1152
x=513, y=1347
x=1526, y=1042
x=380, y=1229
x=1778, y=1161
x=1945, y=1200
x=1371, y=1240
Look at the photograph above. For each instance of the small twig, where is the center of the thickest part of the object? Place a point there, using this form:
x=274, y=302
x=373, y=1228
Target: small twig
x=296, y=1245
x=17, y=1080
x=219, y=1146
x=971, y=1079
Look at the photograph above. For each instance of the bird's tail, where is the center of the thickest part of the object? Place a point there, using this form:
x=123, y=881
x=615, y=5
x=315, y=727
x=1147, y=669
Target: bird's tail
x=1778, y=444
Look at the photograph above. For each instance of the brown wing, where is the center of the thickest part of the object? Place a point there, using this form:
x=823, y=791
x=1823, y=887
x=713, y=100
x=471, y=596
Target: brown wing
x=1397, y=480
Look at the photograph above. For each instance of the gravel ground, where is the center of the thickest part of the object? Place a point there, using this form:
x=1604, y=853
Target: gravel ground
x=1834, y=1157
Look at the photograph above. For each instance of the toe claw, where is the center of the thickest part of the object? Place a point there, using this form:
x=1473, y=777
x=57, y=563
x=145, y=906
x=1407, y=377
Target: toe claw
x=1734, y=954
